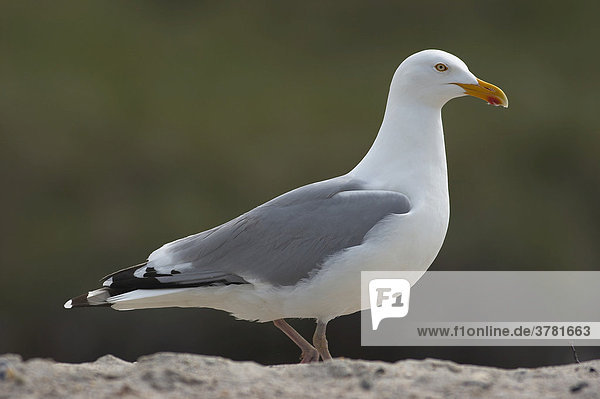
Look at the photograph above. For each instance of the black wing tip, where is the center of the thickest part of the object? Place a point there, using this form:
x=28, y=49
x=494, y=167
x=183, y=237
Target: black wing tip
x=93, y=298
x=122, y=270
x=81, y=301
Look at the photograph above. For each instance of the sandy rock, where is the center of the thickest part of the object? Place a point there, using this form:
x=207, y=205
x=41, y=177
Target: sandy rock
x=171, y=375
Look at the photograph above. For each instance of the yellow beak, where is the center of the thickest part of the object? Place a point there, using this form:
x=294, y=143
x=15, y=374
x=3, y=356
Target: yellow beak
x=487, y=92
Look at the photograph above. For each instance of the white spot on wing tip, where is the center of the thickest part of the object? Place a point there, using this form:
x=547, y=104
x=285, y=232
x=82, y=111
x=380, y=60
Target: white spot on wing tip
x=92, y=294
x=108, y=282
x=68, y=304
x=139, y=273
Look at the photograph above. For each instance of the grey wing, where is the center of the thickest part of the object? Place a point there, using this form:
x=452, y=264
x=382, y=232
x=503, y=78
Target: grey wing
x=280, y=242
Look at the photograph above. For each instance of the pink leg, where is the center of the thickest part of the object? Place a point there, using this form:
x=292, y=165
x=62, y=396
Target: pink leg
x=320, y=340
x=309, y=353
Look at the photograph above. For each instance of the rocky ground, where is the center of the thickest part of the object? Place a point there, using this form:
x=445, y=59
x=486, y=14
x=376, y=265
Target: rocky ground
x=171, y=375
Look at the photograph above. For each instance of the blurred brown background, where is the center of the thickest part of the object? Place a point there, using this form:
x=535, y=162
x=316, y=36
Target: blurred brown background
x=124, y=125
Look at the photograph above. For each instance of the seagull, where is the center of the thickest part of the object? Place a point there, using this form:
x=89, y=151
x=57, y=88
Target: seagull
x=300, y=254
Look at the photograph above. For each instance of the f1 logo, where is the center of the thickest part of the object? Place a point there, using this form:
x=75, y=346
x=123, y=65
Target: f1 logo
x=388, y=298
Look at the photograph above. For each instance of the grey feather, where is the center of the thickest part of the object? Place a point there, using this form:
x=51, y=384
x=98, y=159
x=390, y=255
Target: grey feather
x=282, y=241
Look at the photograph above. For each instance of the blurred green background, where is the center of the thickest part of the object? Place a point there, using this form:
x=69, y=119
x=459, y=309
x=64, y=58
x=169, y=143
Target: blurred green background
x=125, y=125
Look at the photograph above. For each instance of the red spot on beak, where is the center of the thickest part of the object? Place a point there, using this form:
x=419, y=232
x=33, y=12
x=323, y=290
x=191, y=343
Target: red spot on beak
x=493, y=100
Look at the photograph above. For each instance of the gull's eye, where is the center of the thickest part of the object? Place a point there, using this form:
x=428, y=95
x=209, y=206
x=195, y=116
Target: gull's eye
x=441, y=67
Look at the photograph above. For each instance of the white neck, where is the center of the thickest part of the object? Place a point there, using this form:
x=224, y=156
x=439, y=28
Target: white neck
x=408, y=154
